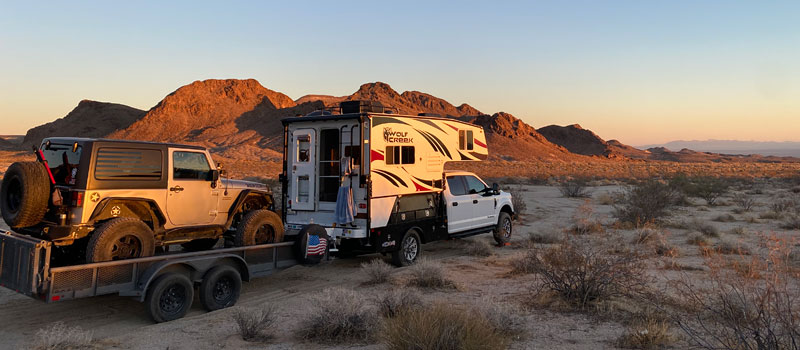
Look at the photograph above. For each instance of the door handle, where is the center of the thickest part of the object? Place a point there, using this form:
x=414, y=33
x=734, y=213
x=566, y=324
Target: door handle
x=455, y=204
x=176, y=189
x=474, y=201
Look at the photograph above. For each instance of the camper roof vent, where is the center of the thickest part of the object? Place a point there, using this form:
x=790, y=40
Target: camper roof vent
x=364, y=106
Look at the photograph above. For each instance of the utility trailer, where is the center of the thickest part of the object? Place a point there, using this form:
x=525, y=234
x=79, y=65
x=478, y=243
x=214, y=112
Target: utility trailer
x=165, y=283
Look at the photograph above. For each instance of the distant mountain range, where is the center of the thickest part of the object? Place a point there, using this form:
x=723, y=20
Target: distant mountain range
x=765, y=148
x=240, y=120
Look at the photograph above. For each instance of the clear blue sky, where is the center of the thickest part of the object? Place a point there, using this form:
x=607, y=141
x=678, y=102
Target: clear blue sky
x=639, y=71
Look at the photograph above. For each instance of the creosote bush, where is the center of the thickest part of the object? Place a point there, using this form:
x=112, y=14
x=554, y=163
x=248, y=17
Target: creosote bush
x=377, y=271
x=255, y=325
x=745, y=202
x=338, y=315
x=520, y=207
x=59, y=336
x=645, y=202
x=427, y=273
x=479, y=248
x=709, y=188
x=442, y=326
x=574, y=189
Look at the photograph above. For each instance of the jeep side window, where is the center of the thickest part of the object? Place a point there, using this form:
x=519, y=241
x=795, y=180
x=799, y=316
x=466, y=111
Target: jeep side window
x=128, y=164
x=456, y=185
x=190, y=166
x=474, y=184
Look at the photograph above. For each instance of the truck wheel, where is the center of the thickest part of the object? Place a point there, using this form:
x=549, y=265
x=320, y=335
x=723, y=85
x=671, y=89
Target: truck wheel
x=259, y=227
x=169, y=297
x=25, y=194
x=199, y=245
x=409, y=250
x=317, y=237
x=502, y=232
x=119, y=239
x=220, y=288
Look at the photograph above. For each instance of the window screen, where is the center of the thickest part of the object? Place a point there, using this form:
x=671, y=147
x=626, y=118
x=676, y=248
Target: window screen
x=399, y=155
x=128, y=164
x=190, y=166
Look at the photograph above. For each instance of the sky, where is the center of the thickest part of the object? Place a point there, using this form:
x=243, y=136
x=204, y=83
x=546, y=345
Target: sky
x=642, y=72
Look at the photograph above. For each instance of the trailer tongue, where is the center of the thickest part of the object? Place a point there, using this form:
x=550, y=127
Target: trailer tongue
x=25, y=268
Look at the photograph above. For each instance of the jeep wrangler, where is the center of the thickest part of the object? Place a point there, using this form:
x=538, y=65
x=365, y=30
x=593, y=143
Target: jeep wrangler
x=107, y=200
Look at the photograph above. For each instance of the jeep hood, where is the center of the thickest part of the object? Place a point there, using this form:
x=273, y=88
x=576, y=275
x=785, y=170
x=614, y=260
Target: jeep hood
x=241, y=184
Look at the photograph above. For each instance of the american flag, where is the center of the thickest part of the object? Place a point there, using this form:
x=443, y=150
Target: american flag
x=316, y=245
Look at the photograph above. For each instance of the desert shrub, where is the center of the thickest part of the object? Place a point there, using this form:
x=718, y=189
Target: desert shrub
x=337, y=315
x=479, y=248
x=255, y=324
x=397, y=301
x=744, y=202
x=647, y=331
x=781, y=206
x=725, y=218
x=505, y=319
x=697, y=239
x=427, y=273
x=520, y=207
x=792, y=222
x=727, y=246
x=770, y=215
x=377, y=271
x=523, y=263
x=645, y=202
x=645, y=234
x=704, y=228
x=59, y=336
x=604, y=199
x=750, y=305
x=585, y=222
x=441, y=327
x=709, y=188
x=544, y=237
x=574, y=189
x=584, y=272
x=739, y=230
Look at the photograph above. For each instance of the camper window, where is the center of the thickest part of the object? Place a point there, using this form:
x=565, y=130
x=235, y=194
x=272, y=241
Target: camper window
x=328, y=165
x=303, y=148
x=465, y=140
x=399, y=155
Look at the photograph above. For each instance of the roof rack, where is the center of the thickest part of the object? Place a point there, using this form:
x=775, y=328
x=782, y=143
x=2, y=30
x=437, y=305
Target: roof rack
x=354, y=106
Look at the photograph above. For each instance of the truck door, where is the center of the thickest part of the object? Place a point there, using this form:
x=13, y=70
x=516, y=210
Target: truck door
x=303, y=161
x=482, y=206
x=459, y=205
x=191, y=199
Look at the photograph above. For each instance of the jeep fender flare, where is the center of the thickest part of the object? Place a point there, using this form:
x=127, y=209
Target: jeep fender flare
x=146, y=210
x=243, y=196
x=194, y=268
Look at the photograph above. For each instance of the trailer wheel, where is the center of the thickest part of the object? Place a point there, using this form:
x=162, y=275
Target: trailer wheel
x=409, y=251
x=120, y=239
x=220, y=288
x=502, y=232
x=169, y=297
x=199, y=245
x=24, y=194
x=312, y=256
x=259, y=227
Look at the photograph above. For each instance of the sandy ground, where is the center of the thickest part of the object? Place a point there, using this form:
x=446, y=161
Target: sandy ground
x=121, y=323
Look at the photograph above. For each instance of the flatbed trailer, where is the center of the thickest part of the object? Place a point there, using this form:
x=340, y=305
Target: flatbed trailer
x=165, y=283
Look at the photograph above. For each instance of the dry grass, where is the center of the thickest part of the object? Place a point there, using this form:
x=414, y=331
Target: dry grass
x=792, y=222
x=397, y=301
x=506, y=319
x=442, y=327
x=522, y=264
x=377, y=271
x=726, y=246
x=545, y=237
x=647, y=331
x=585, y=221
x=604, y=199
x=336, y=316
x=255, y=324
x=705, y=228
x=725, y=218
x=59, y=336
x=698, y=240
x=479, y=248
x=427, y=273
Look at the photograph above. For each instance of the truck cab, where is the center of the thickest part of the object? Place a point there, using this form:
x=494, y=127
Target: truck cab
x=472, y=204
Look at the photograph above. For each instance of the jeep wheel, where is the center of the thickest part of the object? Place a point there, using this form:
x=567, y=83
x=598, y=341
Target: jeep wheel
x=502, y=232
x=409, y=250
x=259, y=227
x=25, y=194
x=119, y=239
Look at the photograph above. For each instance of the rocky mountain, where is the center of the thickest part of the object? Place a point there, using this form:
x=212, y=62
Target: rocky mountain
x=765, y=148
x=88, y=119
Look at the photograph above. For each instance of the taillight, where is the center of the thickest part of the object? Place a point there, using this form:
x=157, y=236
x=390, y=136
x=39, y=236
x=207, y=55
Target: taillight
x=77, y=199
x=362, y=206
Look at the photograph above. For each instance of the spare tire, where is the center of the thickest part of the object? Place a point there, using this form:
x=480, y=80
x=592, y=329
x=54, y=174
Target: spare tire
x=312, y=244
x=24, y=194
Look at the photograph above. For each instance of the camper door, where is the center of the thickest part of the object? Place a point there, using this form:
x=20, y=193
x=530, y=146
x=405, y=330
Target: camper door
x=303, y=169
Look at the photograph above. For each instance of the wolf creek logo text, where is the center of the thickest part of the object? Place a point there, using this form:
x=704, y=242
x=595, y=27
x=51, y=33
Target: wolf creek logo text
x=396, y=136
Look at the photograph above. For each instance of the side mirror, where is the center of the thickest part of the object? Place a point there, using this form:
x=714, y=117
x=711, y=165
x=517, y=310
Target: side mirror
x=496, y=188
x=214, y=176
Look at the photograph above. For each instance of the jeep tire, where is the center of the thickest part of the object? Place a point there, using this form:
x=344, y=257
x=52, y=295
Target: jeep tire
x=25, y=194
x=119, y=239
x=502, y=232
x=259, y=227
x=301, y=244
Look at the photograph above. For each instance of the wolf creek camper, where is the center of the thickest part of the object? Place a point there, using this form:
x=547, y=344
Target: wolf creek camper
x=366, y=180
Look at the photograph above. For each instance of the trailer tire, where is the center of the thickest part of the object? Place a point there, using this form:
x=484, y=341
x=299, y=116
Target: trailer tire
x=502, y=232
x=119, y=239
x=220, y=288
x=301, y=245
x=409, y=250
x=25, y=194
x=169, y=297
x=259, y=227
x=199, y=245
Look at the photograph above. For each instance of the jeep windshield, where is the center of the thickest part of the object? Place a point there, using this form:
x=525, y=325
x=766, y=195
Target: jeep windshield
x=63, y=162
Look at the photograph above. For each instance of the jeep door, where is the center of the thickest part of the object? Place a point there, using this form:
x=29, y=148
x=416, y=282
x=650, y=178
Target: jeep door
x=193, y=193
x=459, y=205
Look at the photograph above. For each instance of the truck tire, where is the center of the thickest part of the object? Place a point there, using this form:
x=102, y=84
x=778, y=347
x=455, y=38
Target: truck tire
x=25, y=194
x=259, y=227
x=301, y=245
x=119, y=239
x=169, y=297
x=199, y=245
x=409, y=250
x=220, y=288
x=502, y=232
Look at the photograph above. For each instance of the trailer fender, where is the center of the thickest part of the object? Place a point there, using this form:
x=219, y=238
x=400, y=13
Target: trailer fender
x=193, y=267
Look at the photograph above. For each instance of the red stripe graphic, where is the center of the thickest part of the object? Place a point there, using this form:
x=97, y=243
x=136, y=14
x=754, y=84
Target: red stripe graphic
x=375, y=155
x=454, y=128
x=479, y=143
x=419, y=187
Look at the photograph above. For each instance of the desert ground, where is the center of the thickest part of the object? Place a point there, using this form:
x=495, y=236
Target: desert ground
x=747, y=223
